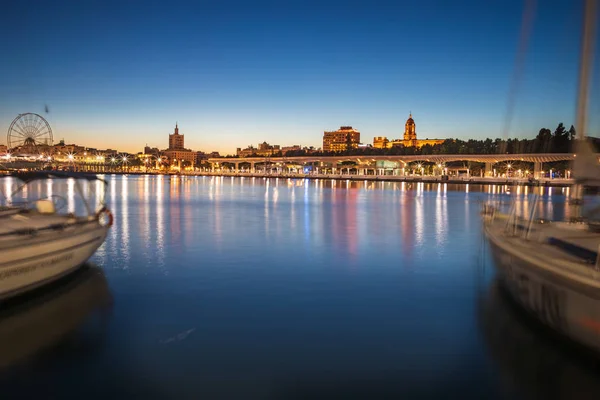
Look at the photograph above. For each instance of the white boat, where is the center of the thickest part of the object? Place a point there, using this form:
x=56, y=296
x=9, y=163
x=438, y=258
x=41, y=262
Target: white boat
x=39, y=244
x=552, y=269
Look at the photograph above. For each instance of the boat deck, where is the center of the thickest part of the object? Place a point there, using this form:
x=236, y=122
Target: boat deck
x=28, y=222
x=568, y=241
x=580, y=243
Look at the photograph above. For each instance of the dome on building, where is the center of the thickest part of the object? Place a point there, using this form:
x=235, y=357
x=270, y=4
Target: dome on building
x=410, y=121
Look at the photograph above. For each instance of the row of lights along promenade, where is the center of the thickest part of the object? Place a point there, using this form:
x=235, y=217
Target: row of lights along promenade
x=474, y=169
x=492, y=168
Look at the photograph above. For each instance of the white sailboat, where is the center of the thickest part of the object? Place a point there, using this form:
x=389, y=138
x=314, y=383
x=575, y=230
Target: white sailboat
x=552, y=268
x=39, y=244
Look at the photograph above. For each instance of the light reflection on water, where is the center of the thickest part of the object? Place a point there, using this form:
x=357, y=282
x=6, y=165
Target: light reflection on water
x=275, y=288
x=160, y=226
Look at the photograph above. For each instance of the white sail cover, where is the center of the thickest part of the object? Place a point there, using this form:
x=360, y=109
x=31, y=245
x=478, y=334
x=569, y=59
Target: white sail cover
x=586, y=167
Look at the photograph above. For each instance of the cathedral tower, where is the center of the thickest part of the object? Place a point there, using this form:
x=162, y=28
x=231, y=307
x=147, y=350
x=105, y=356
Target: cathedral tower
x=410, y=129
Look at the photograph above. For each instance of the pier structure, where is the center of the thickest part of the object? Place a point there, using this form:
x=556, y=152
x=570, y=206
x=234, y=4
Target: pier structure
x=397, y=165
x=492, y=167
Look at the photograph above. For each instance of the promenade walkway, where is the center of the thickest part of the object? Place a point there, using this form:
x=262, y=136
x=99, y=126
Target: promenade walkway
x=394, y=178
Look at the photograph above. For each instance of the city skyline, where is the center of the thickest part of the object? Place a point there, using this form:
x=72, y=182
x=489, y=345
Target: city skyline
x=234, y=74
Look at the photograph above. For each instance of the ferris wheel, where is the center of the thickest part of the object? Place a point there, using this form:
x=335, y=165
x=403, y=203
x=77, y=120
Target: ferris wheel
x=29, y=130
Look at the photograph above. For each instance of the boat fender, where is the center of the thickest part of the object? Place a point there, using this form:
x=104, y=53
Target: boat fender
x=107, y=212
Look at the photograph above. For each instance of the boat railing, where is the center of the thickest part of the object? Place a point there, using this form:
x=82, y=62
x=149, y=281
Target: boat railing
x=92, y=200
x=516, y=224
x=532, y=216
x=57, y=227
x=41, y=204
x=511, y=223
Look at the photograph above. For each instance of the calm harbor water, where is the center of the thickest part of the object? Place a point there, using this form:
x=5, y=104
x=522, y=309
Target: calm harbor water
x=242, y=288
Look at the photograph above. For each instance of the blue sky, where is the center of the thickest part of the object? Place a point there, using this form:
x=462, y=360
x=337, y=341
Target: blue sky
x=120, y=74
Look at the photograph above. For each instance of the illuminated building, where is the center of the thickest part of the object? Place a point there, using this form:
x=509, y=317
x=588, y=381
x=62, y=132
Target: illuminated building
x=380, y=142
x=343, y=139
x=176, y=151
x=264, y=150
x=176, y=140
x=409, y=139
x=180, y=155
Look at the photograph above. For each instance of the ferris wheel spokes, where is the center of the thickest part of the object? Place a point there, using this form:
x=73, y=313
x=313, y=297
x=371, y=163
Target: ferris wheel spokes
x=29, y=131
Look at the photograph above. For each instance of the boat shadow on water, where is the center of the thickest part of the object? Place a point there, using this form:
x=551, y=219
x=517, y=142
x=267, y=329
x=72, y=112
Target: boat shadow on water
x=534, y=360
x=37, y=322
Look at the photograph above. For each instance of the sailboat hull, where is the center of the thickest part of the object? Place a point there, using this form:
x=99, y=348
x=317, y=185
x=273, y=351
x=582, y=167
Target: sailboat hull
x=568, y=307
x=30, y=265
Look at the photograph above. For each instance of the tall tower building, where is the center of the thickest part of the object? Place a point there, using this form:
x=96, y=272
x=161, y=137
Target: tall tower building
x=176, y=140
x=409, y=139
x=410, y=129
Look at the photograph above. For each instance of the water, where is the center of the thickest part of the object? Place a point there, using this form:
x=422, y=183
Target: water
x=213, y=287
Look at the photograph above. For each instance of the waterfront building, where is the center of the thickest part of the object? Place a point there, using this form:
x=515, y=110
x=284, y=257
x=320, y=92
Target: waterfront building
x=380, y=142
x=176, y=140
x=201, y=157
x=176, y=153
x=343, y=139
x=247, y=152
x=3, y=149
x=294, y=147
x=264, y=150
x=151, y=150
x=176, y=156
x=65, y=149
x=409, y=139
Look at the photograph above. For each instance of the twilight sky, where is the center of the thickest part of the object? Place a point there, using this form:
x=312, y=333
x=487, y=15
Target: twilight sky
x=119, y=74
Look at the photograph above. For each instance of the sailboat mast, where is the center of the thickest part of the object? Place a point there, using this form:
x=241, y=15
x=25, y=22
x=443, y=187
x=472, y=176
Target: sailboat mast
x=587, y=56
x=586, y=60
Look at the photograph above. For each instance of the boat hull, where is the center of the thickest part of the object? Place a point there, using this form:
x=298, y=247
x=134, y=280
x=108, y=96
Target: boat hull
x=27, y=266
x=570, y=308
